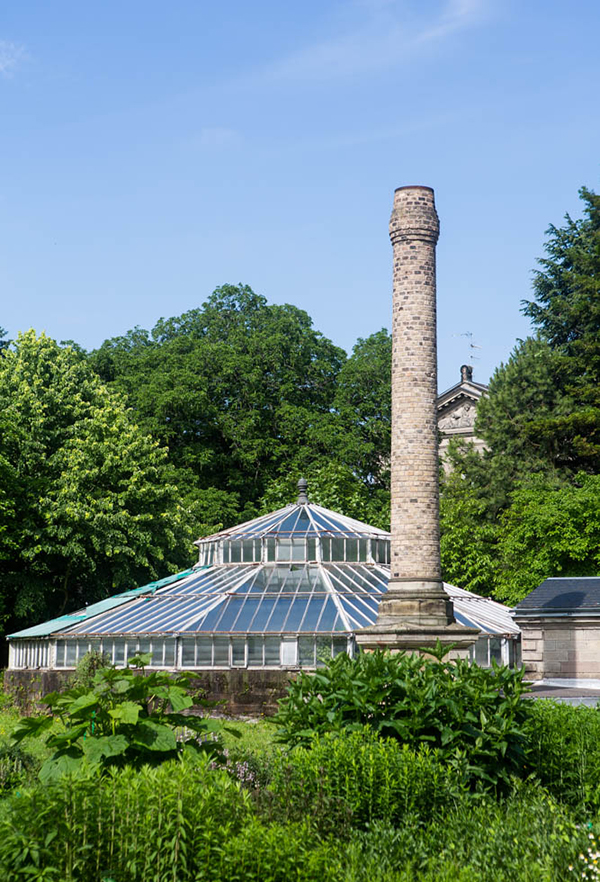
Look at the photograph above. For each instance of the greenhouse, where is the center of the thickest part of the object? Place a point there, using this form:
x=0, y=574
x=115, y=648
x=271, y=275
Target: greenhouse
x=287, y=590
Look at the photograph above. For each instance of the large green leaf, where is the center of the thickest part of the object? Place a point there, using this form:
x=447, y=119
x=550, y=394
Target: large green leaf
x=97, y=749
x=126, y=712
x=61, y=764
x=154, y=736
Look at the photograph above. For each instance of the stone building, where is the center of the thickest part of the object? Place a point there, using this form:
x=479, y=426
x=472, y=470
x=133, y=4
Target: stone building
x=560, y=628
x=457, y=408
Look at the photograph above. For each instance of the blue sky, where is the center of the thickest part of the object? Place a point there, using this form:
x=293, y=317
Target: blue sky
x=153, y=151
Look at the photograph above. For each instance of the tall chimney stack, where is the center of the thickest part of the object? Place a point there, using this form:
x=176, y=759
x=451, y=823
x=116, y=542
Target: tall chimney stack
x=416, y=611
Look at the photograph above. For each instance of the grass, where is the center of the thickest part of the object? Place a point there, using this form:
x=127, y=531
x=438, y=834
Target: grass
x=256, y=737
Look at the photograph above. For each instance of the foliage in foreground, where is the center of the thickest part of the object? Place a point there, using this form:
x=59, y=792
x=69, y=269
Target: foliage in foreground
x=124, y=718
x=186, y=822
x=473, y=716
x=564, y=752
x=355, y=778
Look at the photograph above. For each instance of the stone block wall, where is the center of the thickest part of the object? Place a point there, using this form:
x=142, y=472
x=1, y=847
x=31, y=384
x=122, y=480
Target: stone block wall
x=239, y=692
x=561, y=649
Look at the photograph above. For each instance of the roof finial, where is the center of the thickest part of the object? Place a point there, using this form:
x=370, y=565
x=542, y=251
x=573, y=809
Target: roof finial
x=302, y=488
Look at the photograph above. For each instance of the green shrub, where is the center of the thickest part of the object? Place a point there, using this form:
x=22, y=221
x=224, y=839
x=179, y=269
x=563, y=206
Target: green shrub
x=564, y=751
x=353, y=778
x=17, y=766
x=147, y=825
x=125, y=717
x=527, y=837
x=474, y=716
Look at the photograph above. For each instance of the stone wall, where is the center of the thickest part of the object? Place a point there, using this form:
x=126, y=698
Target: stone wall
x=240, y=692
x=561, y=649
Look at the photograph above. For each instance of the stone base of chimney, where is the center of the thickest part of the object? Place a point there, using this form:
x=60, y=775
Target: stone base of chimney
x=409, y=638
x=419, y=602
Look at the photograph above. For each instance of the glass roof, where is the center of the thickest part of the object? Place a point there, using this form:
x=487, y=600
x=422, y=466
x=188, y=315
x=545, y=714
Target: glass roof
x=299, y=519
x=304, y=570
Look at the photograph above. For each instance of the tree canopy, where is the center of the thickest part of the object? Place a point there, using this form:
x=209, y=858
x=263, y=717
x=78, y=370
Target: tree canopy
x=525, y=510
x=88, y=500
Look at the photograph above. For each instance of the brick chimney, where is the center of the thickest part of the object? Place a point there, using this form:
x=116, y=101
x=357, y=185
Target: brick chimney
x=416, y=611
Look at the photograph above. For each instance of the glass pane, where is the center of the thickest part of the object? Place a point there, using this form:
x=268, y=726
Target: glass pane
x=311, y=549
x=337, y=549
x=352, y=549
x=270, y=548
x=235, y=551
x=329, y=616
x=323, y=651
x=204, y=651
x=289, y=653
x=118, y=651
x=326, y=549
x=298, y=549
x=362, y=549
x=255, y=652
x=247, y=612
x=144, y=646
x=481, y=652
x=282, y=606
x=188, y=652
x=238, y=652
x=313, y=613
x=264, y=611
x=306, y=652
x=230, y=612
x=71, y=656
x=496, y=650
x=248, y=551
x=221, y=651
x=284, y=549
x=169, y=653
x=272, y=650
x=296, y=614
x=60, y=653
x=225, y=552
x=340, y=644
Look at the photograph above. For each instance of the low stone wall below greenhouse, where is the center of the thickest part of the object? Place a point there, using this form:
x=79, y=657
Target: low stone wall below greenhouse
x=239, y=692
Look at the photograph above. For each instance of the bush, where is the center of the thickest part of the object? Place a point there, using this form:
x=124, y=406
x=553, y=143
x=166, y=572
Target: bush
x=564, y=751
x=473, y=716
x=125, y=717
x=147, y=825
x=354, y=778
x=17, y=767
x=527, y=837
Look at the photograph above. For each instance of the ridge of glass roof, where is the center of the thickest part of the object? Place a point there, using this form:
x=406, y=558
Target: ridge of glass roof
x=305, y=519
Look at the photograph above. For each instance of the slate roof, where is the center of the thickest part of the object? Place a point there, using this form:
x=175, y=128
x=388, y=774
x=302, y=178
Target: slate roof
x=569, y=595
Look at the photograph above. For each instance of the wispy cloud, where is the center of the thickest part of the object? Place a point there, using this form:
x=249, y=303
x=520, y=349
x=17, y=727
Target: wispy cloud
x=387, y=34
x=10, y=56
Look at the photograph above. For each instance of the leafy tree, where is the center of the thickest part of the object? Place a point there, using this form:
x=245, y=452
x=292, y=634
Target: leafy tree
x=333, y=486
x=550, y=529
x=541, y=425
x=468, y=533
x=566, y=311
x=363, y=401
x=90, y=505
x=237, y=391
x=4, y=343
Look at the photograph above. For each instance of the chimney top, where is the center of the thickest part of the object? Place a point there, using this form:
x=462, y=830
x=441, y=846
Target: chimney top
x=466, y=373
